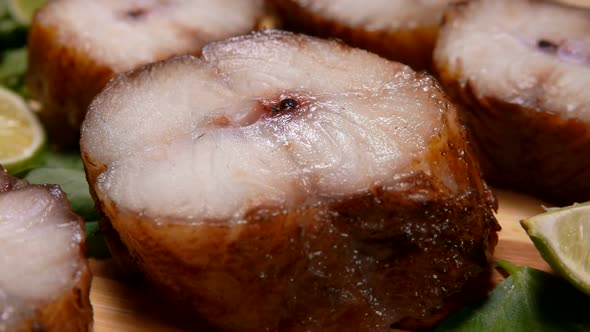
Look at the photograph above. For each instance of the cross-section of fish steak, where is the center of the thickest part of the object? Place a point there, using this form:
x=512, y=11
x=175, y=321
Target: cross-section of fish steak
x=44, y=279
x=289, y=183
x=521, y=70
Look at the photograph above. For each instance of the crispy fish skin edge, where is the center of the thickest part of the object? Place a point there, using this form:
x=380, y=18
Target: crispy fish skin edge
x=174, y=255
x=534, y=151
x=64, y=80
x=409, y=46
x=72, y=310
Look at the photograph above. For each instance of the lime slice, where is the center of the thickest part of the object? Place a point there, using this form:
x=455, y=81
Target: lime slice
x=21, y=134
x=562, y=236
x=22, y=11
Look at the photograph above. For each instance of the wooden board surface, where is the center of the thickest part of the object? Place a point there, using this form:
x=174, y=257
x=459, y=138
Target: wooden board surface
x=130, y=308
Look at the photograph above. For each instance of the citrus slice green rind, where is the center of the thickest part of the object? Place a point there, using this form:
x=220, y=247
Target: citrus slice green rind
x=22, y=11
x=562, y=237
x=21, y=134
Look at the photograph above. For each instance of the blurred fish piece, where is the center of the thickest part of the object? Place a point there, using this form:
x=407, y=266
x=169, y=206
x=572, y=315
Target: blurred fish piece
x=400, y=30
x=521, y=71
x=76, y=46
x=44, y=279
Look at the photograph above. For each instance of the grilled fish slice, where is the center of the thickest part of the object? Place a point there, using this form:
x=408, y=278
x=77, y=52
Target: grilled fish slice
x=401, y=30
x=76, y=46
x=44, y=279
x=520, y=69
x=289, y=183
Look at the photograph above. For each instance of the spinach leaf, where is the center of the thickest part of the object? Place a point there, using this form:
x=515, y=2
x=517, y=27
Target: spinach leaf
x=13, y=65
x=528, y=300
x=13, y=51
x=67, y=159
x=12, y=34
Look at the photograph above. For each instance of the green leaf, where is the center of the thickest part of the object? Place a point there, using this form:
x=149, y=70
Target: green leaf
x=73, y=183
x=69, y=159
x=13, y=66
x=52, y=159
x=528, y=300
x=95, y=245
x=12, y=34
x=67, y=170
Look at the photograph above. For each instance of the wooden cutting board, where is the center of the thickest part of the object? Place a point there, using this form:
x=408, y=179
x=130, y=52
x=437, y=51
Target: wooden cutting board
x=130, y=308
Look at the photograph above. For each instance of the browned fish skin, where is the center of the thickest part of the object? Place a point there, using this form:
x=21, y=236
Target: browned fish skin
x=411, y=46
x=65, y=80
x=70, y=310
x=419, y=258
x=529, y=148
x=402, y=254
x=64, y=76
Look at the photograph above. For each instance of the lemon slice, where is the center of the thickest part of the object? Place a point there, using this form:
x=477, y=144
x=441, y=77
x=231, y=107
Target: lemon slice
x=22, y=11
x=562, y=236
x=21, y=134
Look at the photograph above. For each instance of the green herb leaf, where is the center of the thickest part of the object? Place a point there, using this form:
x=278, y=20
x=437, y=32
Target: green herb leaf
x=528, y=300
x=73, y=182
x=12, y=33
x=13, y=65
x=69, y=159
x=95, y=245
x=51, y=159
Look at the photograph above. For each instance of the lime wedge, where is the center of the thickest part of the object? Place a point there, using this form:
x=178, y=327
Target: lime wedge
x=22, y=11
x=21, y=134
x=562, y=236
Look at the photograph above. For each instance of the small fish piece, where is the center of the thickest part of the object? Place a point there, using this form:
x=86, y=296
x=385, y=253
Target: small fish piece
x=45, y=278
x=521, y=69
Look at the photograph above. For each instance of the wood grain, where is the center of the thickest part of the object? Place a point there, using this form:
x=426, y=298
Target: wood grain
x=133, y=308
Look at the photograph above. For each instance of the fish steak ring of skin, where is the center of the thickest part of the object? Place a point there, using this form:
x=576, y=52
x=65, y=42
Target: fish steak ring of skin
x=520, y=70
x=290, y=183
